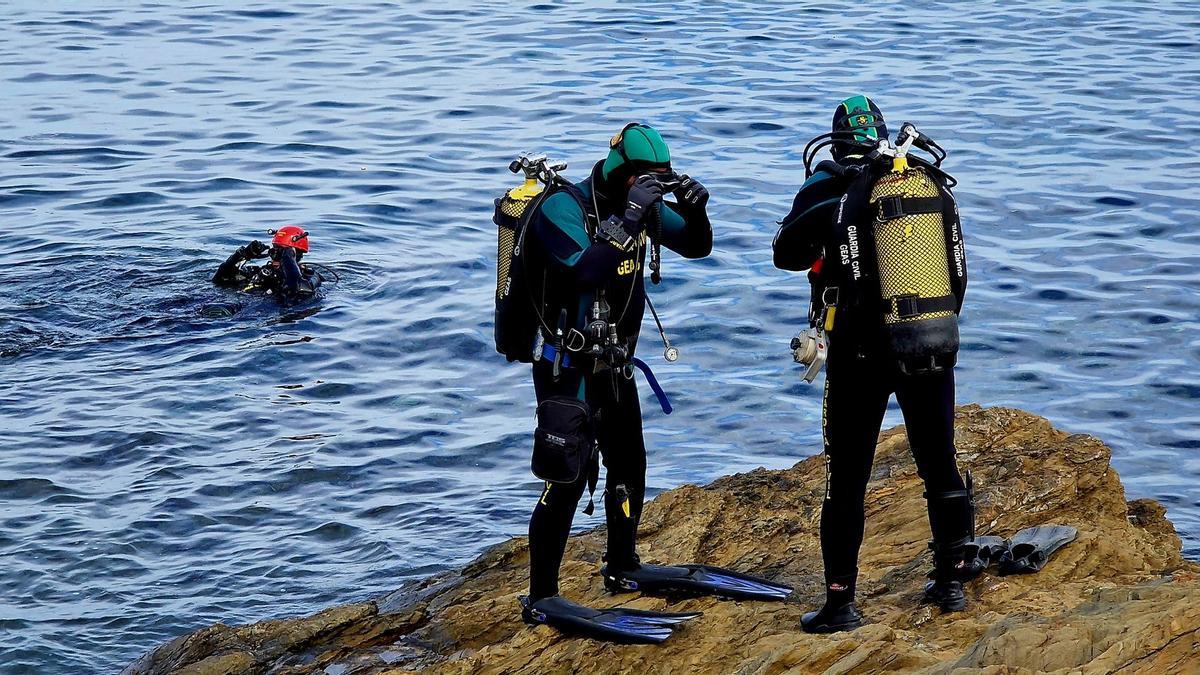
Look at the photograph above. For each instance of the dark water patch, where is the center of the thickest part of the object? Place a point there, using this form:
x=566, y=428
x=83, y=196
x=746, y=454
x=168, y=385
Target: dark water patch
x=30, y=488
x=147, y=112
x=337, y=105
x=1116, y=201
x=265, y=13
x=312, y=173
x=332, y=532
x=373, y=189
x=27, y=196
x=313, y=149
x=239, y=145
x=212, y=185
x=121, y=450
x=1057, y=294
x=99, y=154
x=123, y=201
x=69, y=77
x=1178, y=390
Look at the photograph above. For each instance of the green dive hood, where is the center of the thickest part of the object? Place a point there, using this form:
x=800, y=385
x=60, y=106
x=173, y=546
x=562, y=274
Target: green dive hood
x=637, y=149
x=860, y=115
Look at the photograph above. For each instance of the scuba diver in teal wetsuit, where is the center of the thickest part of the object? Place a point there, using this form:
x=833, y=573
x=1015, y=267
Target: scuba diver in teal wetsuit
x=585, y=247
x=285, y=278
x=879, y=232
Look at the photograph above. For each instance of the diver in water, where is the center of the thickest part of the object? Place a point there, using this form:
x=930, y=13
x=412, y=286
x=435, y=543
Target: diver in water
x=284, y=277
x=591, y=239
x=863, y=366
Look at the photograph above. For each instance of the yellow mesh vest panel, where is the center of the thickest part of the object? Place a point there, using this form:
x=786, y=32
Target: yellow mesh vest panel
x=513, y=204
x=911, y=250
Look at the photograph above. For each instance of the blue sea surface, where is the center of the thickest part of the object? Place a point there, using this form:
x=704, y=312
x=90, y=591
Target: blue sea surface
x=164, y=468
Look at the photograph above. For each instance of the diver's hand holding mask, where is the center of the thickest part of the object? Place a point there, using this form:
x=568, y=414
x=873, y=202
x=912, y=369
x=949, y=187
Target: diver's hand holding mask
x=691, y=193
x=255, y=249
x=642, y=194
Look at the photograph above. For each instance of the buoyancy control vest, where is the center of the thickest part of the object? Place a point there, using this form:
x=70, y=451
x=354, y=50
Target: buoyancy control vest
x=898, y=252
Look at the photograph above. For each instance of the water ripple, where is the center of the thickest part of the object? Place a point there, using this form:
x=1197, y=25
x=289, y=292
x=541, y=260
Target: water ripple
x=177, y=455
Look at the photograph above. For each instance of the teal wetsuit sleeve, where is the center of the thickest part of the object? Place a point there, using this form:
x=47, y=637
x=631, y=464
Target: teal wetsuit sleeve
x=687, y=232
x=561, y=228
x=798, y=244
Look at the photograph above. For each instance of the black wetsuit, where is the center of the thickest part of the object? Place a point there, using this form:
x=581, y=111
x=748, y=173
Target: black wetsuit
x=286, y=280
x=582, y=268
x=858, y=382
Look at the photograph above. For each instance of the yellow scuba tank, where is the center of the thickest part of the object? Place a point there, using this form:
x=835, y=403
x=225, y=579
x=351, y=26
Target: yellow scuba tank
x=512, y=205
x=918, y=302
x=520, y=277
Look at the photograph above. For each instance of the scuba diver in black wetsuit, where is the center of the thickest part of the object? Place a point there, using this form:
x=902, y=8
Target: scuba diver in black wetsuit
x=589, y=243
x=884, y=340
x=284, y=277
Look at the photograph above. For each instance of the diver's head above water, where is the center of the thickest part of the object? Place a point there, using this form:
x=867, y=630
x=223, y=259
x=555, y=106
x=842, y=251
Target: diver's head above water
x=289, y=237
x=859, y=116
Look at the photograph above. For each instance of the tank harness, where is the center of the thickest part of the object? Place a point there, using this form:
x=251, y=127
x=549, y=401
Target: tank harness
x=897, y=245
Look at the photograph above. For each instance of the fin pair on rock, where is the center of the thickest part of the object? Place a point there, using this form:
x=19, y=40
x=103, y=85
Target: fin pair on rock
x=621, y=624
x=1026, y=553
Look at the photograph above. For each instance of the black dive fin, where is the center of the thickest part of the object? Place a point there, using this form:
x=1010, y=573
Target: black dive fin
x=614, y=625
x=693, y=580
x=1030, y=548
x=979, y=554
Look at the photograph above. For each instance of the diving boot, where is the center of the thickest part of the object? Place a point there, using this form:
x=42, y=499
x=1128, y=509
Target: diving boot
x=839, y=612
x=830, y=619
x=945, y=588
x=946, y=594
x=952, y=522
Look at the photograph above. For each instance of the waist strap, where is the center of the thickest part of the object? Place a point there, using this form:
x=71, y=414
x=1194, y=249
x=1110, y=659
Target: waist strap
x=549, y=352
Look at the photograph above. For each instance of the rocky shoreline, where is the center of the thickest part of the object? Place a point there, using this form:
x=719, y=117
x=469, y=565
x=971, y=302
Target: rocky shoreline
x=1121, y=598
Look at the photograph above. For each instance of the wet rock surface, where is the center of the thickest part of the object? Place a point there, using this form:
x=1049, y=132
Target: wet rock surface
x=1118, y=599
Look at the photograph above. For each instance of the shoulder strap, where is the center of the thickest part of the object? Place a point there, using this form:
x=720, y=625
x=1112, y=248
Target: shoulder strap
x=588, y=206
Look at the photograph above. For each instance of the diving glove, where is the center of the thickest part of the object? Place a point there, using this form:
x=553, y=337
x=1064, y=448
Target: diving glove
x=642, y=194
x=255, y=249
x=691, y=193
